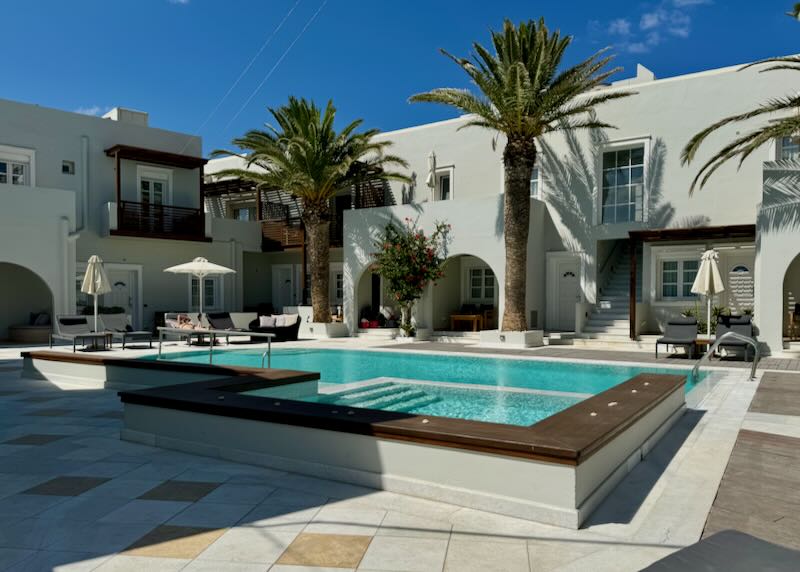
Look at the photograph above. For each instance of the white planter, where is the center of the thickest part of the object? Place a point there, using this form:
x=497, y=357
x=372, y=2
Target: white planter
x=321, y=330
x=526, y=339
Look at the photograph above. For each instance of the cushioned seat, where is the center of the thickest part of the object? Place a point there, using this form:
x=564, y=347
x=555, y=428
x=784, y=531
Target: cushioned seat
x=679, y=332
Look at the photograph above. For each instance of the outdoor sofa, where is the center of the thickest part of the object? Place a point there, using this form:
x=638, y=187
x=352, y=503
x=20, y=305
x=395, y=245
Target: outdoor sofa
x=286, y=327
x=680, y=332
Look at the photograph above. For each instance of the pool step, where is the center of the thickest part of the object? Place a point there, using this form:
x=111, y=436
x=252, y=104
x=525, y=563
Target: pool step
x=420, y=402
x=400, y=396
x=359, y=393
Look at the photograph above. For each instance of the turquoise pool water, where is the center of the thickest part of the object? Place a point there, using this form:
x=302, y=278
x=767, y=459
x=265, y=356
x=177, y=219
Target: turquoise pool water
x=512, y=407
x=346, y=366
x=511, y=391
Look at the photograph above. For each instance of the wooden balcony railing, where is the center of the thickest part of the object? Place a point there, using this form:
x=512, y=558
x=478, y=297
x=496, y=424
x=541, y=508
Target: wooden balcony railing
x=283, y=234
x=160, y=221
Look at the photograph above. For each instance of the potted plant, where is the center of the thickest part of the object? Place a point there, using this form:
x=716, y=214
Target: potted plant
x=409, y=259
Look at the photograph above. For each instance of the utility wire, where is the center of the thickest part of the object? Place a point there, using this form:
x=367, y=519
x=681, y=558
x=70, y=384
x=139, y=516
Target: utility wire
x=274, y=67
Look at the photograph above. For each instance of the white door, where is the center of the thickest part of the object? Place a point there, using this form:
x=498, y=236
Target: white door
x=283, y=286
x=123, y=291
x=568, y=294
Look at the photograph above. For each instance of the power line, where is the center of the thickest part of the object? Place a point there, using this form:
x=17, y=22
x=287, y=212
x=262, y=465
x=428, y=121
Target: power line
x=274, y=67
x=245, y=70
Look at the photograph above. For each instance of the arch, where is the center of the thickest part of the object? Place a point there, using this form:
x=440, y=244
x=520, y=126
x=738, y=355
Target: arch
x=471, y=286
x=30, y=296
x=790, y=300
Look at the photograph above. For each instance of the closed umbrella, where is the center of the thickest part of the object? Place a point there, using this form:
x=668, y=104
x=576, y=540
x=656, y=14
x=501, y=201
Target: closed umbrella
x=431, y=179
x=708, y=280
x=200, y=267
x=95, y=282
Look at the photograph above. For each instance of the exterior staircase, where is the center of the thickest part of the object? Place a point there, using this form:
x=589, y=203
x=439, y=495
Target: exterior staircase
x=610, y=319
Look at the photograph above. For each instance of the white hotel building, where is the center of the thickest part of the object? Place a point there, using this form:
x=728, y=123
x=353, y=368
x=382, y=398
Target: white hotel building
x=615, y=237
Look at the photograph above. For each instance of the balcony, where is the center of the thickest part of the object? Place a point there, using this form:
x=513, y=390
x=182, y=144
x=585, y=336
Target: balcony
x=146, y=220
x=277, y=235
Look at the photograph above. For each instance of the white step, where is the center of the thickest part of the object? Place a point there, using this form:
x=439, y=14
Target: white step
x=607, y=323
x=621, y=330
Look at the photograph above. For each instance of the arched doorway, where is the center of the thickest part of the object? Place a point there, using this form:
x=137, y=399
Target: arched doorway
x=466, y=299
x=791, y=304
x=28, y=301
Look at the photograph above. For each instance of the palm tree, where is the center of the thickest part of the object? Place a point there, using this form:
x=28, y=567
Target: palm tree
x=523, y=95
x=304, y=155
x=744, y=145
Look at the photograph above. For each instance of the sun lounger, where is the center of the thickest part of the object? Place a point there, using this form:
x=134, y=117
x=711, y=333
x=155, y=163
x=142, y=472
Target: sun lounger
x=679, y=332
x=729, y=551
x=78, y=330
x=741, y=325
x=119, y=327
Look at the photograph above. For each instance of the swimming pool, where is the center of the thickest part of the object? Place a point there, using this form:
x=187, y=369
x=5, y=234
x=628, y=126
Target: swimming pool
x=506, y=390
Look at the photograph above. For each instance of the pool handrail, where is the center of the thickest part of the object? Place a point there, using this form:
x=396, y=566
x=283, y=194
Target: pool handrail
x=715, y=345
x=212, y=334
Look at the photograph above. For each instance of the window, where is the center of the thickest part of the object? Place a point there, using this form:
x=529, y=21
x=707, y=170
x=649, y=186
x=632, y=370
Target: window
x=481, y=285
x=677, y=277
x=244, y=213
x=337, y=286
x=154, y=185
x=789, y=148
x=67, y=167
x=13, y=172
x=443, y=187
x=212, y=294
x=623, y=184
x=536, y=181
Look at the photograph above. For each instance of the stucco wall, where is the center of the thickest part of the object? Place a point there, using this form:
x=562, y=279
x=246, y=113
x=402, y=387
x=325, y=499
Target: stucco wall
x=35, y=228
x=477, y=230
x=23, y=293
x=777, y=247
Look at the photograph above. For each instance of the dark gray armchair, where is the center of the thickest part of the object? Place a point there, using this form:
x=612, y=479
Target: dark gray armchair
x=679, y=332
x=741, y=325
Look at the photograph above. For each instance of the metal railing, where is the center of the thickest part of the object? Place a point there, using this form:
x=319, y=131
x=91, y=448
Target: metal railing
x=212, y=335
x=160, y=220
x=717, y=343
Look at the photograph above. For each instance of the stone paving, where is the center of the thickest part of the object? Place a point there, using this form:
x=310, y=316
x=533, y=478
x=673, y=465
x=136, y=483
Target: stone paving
x=74, y=497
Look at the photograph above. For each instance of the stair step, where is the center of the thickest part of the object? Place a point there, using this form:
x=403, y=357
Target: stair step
x=606, y=330
x=414, y=404
x=370, y=391
x=605, y=323
x=400, y=396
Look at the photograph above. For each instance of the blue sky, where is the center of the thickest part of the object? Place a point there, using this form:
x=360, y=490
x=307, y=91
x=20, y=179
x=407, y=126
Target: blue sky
x=177, y=59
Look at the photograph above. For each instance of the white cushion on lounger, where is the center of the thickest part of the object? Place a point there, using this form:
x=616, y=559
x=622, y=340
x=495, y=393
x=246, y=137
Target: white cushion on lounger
x=280, y=320
x=290, y=319
x=266, y=321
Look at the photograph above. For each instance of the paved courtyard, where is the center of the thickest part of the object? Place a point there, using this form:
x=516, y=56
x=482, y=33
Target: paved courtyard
x=73, y=496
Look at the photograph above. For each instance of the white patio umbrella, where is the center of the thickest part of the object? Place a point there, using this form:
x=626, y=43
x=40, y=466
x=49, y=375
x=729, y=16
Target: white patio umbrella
x=708, y=280
x=95, y=282
x=200, y=267
x=431, y=178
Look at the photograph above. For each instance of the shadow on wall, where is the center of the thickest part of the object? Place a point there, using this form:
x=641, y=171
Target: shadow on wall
x=571, y=182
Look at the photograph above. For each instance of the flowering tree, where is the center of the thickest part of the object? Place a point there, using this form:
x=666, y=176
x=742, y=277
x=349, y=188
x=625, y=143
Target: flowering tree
x=409, y=260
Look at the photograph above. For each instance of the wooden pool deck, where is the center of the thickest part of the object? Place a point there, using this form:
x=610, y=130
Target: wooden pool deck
x=760, y=490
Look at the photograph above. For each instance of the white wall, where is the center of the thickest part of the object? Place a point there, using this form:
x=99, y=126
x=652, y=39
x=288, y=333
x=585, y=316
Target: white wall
x=777, y=247
x=477, y=230
x=35, y=228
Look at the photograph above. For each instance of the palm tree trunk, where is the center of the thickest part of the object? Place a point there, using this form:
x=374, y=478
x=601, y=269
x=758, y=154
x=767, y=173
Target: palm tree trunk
x=319, y=254
x=518, y=159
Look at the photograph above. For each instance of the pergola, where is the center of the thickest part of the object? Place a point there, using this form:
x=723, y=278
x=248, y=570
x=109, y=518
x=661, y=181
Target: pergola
x=637, y=237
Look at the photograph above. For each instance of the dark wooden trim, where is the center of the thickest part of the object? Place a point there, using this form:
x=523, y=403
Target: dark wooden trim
x=303, y=266
x=117, y=179
x=160, y=236
x=156, y=157
x=695, y=233
x=632, y=293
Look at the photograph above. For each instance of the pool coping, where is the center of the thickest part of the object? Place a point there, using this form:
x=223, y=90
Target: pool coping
x=568, y=437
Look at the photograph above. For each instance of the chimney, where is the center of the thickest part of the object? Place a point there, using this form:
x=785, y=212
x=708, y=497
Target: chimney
x=130, y=116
